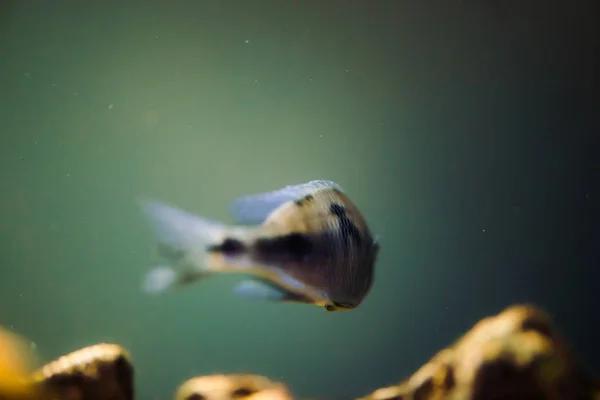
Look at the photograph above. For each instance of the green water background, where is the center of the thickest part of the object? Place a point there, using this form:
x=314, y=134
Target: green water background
x=442, y=120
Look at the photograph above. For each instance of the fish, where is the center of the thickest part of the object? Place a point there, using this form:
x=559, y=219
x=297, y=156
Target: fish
x=306, y=243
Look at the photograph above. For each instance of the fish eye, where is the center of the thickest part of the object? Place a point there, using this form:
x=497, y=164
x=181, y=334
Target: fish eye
x=330, y=307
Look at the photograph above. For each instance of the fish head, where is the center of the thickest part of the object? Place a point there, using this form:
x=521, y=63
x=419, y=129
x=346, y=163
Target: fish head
x=317, y=242
x=322, y=243
x=350, y=290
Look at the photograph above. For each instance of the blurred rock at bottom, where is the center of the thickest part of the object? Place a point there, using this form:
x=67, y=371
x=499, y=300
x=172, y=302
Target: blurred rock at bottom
x=516, y=354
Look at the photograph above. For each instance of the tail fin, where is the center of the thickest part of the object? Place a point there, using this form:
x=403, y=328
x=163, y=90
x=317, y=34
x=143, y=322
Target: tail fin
x=182, y=240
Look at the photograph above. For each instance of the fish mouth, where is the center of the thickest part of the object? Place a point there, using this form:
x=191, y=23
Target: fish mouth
x=334, y=306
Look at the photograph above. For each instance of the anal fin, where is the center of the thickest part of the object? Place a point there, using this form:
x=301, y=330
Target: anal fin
x=256, y=289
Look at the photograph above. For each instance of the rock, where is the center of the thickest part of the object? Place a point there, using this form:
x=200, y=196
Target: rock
x=516, y=354
x=16, y=364
x=99, y=372
x=232, y=387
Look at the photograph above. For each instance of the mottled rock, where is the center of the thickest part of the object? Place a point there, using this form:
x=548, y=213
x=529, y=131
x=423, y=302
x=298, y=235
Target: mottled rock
x=232, y=387
x=99, y=372
x=516, y=354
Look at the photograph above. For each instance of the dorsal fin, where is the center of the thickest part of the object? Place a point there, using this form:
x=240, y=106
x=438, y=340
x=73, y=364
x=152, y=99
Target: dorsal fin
x=254, y=209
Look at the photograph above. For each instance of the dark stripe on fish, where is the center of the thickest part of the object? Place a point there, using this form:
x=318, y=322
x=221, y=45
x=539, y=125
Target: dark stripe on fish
x=304, y=201
x=347, y=227
x=294, y=246
x=288, y=295
x=228, y=247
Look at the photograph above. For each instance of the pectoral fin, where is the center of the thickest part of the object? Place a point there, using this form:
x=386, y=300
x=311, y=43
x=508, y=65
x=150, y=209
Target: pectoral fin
x=261, y=290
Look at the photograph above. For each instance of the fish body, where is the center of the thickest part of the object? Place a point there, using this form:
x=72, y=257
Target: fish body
x=304, y=243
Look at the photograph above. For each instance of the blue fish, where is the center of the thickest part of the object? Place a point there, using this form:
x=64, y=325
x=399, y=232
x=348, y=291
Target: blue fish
x=305, y=243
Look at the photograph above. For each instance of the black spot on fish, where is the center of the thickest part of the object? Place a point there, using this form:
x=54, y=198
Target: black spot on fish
x=297, y=244
x=294, y=245
x=242, y=392
x=305, y=200
x=337, y=210
x=347, y=227
x=195, y=396
x=228, y=247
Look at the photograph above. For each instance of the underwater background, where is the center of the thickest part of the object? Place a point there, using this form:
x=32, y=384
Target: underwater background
x=466, y=132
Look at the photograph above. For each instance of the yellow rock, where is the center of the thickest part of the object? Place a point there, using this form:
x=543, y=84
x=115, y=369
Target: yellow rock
x=16, y=364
